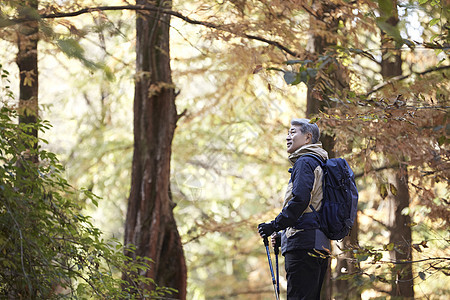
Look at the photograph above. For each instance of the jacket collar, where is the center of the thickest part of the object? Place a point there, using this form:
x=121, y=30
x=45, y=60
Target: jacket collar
x=315, y=149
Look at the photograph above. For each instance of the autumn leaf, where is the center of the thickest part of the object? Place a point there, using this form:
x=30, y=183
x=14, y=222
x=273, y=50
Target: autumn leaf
x=416, y=247
x=393, y=189
x=257, y=69
x=314, y=120
x=389, y=247
x=28, y=81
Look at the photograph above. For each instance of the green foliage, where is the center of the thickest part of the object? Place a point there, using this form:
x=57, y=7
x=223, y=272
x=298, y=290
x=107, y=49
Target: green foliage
x=309, y=71
x=72, y=48
x=49, y=248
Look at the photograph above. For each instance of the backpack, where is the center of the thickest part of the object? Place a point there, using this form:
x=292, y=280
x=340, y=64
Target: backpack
x=340, y=198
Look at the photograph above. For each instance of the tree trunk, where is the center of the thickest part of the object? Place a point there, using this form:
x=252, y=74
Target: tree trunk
x=27, y=41
x=400, y=235
x=316, y=102
x=317, y=45
x=150, y=224
x=348, y=289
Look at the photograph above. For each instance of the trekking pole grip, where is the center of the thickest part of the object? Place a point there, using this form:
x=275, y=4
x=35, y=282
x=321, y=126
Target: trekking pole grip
x=266, y=241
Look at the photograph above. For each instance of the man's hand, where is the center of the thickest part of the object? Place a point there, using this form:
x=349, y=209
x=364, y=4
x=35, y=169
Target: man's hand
x=275, y=239
x=265, y=229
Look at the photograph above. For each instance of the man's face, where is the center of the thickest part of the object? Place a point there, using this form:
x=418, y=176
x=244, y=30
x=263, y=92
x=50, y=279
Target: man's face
x=295, y=139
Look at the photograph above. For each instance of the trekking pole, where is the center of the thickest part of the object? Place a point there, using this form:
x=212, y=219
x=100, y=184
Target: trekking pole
x=277, y=251
x=266, y=243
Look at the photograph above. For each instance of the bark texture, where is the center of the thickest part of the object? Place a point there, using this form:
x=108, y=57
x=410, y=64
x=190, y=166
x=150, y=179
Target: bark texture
x=26, y=59
x=400, y=235
x=150, y=224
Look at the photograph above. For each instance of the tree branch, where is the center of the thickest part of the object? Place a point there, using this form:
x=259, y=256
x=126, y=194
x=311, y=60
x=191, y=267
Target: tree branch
x=378, y=221
x=377, y=170
x=403, y=77
x=9, y=22
x=399, y=262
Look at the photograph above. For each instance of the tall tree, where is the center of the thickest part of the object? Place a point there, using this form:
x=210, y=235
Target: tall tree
x=400, y=222
x=150, y=223
x=27, y=61
x=334, y=84
x=314, y=104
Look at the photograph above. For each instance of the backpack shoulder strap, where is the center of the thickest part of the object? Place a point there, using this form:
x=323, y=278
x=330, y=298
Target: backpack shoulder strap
x=321, y=163
x=315, y=156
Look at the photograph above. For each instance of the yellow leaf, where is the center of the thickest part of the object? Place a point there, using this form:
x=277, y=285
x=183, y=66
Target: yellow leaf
x=28, y=81
x=393, y=189
x=424, y=244
x=390, y=247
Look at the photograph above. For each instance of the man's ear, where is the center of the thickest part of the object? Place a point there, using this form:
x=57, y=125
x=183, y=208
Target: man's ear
x=309, y=138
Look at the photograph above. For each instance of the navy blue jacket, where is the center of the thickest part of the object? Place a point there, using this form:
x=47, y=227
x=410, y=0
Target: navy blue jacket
x=300, y=226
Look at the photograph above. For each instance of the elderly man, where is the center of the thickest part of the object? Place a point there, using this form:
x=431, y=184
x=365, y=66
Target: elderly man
x=301, y=236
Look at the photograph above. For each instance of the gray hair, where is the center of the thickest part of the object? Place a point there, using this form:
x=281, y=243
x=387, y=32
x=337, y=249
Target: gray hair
x=307, y=127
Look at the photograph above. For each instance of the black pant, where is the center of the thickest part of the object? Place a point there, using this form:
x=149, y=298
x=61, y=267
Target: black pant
x=305, y=274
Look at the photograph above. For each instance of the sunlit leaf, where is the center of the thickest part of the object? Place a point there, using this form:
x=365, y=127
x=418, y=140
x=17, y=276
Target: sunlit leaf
x=390, y=246
x=393, y=189
x=433, y=37
x=314, y=120
x=434, y=21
